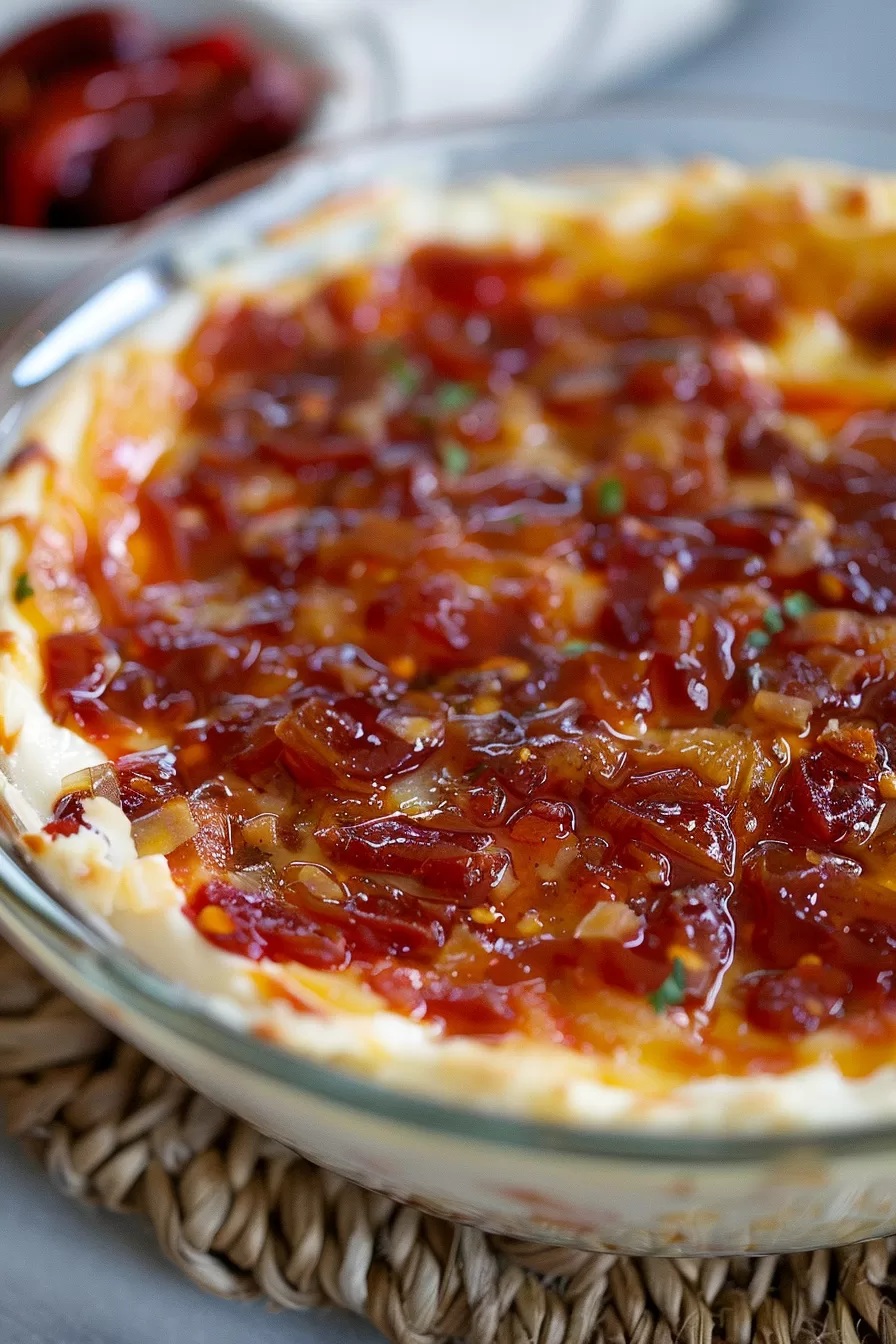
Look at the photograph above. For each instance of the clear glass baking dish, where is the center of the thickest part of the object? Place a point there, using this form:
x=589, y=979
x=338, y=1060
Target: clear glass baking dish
x=641, y=1191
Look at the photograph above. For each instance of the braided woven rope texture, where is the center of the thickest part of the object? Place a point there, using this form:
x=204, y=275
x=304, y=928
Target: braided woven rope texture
x=243, y=1216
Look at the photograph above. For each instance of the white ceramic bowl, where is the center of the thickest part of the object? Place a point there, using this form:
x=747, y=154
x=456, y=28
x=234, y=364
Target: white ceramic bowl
x=34, y=262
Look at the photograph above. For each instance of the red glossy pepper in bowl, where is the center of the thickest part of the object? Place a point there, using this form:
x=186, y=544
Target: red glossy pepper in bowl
x=240, y=116
x=99, y=124
x=89, y=37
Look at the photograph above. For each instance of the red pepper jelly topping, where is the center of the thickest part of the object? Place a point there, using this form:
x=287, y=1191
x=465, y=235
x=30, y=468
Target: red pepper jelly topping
x=517, y=643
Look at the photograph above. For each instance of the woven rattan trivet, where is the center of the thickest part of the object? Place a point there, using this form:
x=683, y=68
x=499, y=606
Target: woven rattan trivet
x=242, y=1216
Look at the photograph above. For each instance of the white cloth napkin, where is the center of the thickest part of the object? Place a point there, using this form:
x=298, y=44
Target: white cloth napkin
x=490, y=56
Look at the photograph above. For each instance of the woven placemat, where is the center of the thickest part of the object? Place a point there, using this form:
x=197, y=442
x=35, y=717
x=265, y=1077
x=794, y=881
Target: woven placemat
x=243, y=1216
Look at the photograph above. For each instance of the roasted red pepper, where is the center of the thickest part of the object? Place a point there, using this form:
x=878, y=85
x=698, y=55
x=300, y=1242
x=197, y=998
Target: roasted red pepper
x=225, y=49
x=99, y=124
x=90, y=37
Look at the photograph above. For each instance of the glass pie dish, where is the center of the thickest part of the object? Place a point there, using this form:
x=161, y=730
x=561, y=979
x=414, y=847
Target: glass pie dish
x=645, y=1191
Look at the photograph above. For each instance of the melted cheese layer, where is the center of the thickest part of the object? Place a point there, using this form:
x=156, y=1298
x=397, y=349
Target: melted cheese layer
x=138, y=897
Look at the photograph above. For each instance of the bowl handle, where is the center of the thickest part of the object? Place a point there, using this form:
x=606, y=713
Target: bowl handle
x=565, y=82
x=360, y=54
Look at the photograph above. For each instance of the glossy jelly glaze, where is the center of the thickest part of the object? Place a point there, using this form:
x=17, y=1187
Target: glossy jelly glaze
x=503, y=632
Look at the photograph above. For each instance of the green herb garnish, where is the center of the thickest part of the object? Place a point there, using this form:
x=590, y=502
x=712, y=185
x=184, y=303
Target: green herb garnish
x=773, y=620
x=406, y=376
x=671, y=991
x=798, y=604
x=610, y=497
x=454, y=457
x=758, y=639
x=22, y=588
x=450, y=398
x=573, y=647
x=517, y=519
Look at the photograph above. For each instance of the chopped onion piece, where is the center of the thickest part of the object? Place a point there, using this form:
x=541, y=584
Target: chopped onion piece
x=789, y=711
x=261, y=831
x=165, y=829
x=100, y=781
x=609, y=919
x=855, y=741
x=318, y=880
x=805, y=547
x=411, y=728
x=840, y=628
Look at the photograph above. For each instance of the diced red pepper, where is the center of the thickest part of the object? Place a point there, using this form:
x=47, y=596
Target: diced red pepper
x=88, y=37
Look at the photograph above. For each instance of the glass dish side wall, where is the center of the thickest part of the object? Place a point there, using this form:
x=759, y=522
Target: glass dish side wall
x=645, y=1192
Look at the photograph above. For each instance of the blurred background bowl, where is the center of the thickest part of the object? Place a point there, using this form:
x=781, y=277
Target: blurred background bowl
x=33, y=262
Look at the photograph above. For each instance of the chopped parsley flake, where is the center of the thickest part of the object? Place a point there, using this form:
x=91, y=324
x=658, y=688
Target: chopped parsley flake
x=517, y=519
x=22, y=588
x=671, y=991
x=573, y=647
x=773, y=620
x=406, y=376
x=451, y=398
x=797, y=604
x=454, y=457
x=758, y=639
x=610, y=497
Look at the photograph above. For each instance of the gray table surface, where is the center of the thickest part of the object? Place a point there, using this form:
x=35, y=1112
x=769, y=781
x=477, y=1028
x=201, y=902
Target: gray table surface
x=75, y=1276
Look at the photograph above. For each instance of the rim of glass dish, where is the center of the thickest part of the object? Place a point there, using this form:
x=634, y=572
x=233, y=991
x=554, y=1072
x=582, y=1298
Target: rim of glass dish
x=109, y=968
